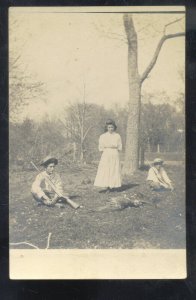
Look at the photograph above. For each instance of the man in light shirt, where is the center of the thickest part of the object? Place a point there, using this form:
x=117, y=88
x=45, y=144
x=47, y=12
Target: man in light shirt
x=158, y=178
x=41, y=189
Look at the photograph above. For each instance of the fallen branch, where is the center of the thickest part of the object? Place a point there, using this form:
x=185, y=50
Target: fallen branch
x=31, y=245
x=24, y=243
x=48, y=241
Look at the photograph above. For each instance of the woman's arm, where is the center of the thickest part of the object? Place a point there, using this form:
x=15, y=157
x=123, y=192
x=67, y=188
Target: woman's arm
x=119, y=143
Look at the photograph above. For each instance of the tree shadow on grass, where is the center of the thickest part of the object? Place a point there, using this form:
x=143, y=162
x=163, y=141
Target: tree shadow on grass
x=156, y=200
x=74, y=196
x=103, y=191
x=125, y=187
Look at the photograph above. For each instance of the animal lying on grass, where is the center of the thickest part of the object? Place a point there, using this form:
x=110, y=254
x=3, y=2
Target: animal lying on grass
x=122, y=202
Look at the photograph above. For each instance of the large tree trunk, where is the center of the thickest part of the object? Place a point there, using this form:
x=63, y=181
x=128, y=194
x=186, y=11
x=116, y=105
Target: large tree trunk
x=142, y=156
x=131, y=161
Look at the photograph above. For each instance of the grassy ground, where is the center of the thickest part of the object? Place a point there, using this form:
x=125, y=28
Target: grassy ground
x=158, y=224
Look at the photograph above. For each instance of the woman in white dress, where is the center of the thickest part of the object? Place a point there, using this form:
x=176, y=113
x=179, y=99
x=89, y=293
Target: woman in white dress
x=109, y=169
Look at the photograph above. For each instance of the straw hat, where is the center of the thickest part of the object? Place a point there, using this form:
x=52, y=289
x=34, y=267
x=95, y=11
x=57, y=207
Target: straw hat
x=49, y=160
x=158, y=161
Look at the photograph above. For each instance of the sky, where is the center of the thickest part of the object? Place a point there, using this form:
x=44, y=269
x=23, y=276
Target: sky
x=68, y=51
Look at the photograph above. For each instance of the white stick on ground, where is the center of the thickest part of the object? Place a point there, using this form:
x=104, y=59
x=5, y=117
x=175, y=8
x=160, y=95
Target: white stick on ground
x=29, y=244
x=48, y=241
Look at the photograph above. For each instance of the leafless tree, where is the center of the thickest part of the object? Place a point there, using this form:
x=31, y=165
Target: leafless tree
x=77, y=123
x=131, y=162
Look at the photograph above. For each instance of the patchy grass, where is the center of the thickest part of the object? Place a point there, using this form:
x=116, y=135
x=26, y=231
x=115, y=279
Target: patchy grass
x=160, y=223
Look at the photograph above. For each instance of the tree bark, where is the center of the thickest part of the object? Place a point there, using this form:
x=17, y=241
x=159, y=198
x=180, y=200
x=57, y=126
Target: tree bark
x=131, y=161
x=74, y=151
x=142, y=156
x=81, y=151
x=81, y=155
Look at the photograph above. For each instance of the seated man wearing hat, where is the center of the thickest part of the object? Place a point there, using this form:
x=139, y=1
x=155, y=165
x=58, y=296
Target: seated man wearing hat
x=158, y=178
x=41, y=187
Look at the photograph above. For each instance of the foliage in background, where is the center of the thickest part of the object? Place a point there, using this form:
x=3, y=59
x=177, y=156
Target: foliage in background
x=75, y=137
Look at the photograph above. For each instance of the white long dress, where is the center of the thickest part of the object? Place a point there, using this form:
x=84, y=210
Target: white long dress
x=109, y=169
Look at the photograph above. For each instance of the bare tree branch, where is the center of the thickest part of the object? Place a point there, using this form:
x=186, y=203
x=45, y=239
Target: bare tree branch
x=156, y=53
x=175, y=21
x=111, y=35
x=70, y=130
x=87, y=131
x=116, y=36
x=15, y=60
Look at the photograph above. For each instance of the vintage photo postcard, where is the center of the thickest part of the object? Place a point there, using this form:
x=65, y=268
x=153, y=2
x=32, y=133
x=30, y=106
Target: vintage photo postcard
x=97, y=142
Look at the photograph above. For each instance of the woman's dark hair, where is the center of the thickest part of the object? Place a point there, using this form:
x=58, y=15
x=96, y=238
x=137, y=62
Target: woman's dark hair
x=110, y=122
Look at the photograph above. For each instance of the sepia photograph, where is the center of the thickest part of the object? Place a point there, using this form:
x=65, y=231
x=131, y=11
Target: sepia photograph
x=97, y=136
